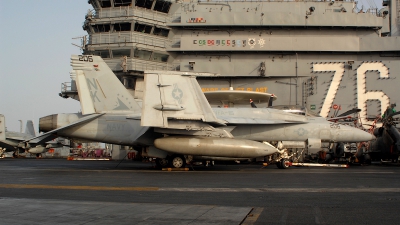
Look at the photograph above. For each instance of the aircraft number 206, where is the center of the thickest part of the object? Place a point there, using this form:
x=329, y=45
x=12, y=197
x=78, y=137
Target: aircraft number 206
x=85, y=58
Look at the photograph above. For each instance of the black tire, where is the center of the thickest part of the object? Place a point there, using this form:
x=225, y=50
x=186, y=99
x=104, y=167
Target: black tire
x=279, y=165
x=177, y=161
x=367, y=159
x=162, y=163
x=285, y=163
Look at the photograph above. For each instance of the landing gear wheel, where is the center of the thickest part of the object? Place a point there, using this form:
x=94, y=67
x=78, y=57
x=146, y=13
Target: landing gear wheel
x=162, y=163
x=367, y=159
x=285, y=163
x=38, y=155
x=177, y=161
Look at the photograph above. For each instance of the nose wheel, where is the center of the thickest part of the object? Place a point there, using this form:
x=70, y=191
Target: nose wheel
x=283, y=164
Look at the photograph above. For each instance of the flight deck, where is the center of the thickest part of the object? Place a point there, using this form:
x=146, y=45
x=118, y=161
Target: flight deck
x=57, y=191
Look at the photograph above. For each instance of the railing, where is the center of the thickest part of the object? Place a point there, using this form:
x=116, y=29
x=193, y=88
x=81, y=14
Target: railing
x=136, y=64
x=228, y=1
x=66, y=87
x=119, y=38
x=131, y=12
x=142, y=65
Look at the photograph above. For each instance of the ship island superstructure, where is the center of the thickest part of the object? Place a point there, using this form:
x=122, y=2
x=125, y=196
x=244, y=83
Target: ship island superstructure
x=316, y=54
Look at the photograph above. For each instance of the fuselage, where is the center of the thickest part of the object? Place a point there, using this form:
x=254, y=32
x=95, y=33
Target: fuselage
x=272, y=125
x=288, y=127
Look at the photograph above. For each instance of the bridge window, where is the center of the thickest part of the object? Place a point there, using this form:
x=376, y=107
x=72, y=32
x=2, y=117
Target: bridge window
x=143, y=28
x=118, y=3
x=121, y=52
x=105, y=3
x=159, y=57
x=102, y=53
x=162, y=6
x=129, y=82
x=122, y=27
x=142, y=54
x=101, y=28
x=144, y=3
x=160, y=32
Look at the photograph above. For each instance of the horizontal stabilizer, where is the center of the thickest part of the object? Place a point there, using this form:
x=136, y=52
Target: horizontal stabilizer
x=52, y=134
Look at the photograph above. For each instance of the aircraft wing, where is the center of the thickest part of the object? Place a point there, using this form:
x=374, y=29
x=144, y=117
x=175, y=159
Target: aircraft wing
x=335, y=119
x=15, y=137
x=7, y=144
x=174, y=97
x=244, y=120
x=177, y=101
x=258, y=116
x=43, y=138
x=238, y=97
x=351, y=111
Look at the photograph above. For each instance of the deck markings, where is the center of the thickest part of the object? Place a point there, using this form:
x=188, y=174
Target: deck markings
x=222, y=190
x=90, y=188
x=252, y=217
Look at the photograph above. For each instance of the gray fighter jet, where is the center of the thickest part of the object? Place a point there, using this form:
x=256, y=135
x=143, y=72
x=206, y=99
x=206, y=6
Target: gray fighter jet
x=176, y=124
x=16, y=142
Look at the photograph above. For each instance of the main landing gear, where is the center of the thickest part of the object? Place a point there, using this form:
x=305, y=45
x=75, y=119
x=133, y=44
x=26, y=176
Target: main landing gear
x=174, y=161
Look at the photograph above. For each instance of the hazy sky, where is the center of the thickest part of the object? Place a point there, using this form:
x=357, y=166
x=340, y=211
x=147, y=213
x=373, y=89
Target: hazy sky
x=35, y=50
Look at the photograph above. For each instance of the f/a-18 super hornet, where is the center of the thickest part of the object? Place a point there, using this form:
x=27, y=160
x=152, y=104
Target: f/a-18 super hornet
x=176, y=124
x=16, y=142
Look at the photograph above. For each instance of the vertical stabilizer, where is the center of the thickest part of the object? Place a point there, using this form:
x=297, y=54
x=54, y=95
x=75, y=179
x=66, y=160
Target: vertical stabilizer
x=29, y=129
x=177, y=96
x=96, y=83
x=2, y=127
x=85, y=97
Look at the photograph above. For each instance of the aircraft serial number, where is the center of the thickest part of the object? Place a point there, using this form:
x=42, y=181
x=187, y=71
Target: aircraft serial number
x=86, y=58
x=335, y=126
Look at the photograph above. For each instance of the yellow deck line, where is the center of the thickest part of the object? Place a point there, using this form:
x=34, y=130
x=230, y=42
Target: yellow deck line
x=252, y=217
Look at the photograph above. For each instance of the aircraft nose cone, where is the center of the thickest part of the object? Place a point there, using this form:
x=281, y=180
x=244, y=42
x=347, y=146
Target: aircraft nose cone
x=361, y=135
x=352, y=134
